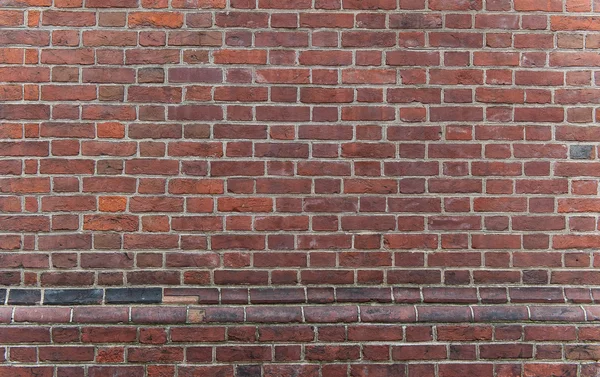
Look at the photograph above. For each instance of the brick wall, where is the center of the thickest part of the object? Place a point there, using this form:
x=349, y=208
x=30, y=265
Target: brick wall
x=311, y=188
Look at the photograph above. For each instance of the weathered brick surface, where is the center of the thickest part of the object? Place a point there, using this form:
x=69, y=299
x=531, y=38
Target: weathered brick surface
x=238, y=340
x=347, y=187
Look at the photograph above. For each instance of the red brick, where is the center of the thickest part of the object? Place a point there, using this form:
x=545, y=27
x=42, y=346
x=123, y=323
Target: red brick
x=531, y=5
x=81, y=353
x=539, y=369
x=156, y=19
x=243, y=353
x=155, y=354
x=19, y=371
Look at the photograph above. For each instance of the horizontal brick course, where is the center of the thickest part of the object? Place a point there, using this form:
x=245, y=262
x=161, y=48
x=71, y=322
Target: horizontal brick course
x=172, y=337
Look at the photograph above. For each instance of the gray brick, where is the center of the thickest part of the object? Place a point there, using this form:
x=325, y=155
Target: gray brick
x=247, y=371
x=73, y=296
x=581, y=152
x=133, y=295
x=24, y=297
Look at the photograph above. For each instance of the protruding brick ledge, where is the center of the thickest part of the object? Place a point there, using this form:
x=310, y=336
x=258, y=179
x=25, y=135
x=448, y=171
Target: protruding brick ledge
x=339, y=314
x=299, y=295
x=304, y=341
x=339, y=369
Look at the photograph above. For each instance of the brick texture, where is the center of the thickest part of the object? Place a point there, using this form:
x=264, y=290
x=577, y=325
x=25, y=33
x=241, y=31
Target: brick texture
x=311, y=188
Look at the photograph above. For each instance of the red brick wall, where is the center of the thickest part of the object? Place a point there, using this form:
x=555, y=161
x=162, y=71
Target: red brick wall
x=314, y=188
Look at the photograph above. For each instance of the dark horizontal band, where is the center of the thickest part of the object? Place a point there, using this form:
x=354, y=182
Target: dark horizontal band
x=300, y=295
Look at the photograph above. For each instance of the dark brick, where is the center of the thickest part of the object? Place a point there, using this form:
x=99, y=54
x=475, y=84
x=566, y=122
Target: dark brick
x=24, y=297
x=248, y=371
x=364, y=294
x=133, y=295
x=581, y=152
x=73, y=296
x=444, y=314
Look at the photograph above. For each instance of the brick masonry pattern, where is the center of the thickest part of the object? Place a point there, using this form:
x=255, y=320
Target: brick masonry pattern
x=348, y=188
